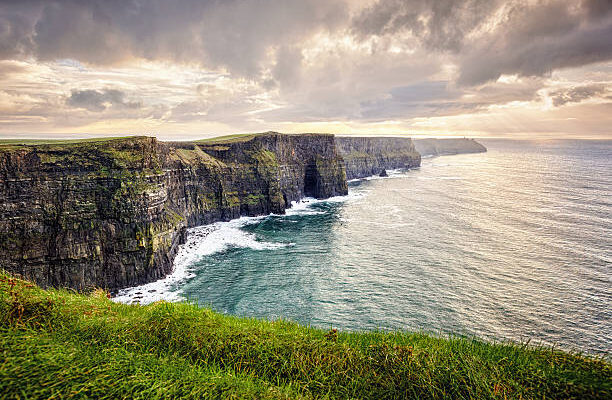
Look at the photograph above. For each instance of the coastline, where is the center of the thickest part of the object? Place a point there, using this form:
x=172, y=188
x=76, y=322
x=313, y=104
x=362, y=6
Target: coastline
x=162, y=289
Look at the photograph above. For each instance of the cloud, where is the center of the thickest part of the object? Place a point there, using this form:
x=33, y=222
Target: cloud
x=577, y=94
x=9, y=68
x=17, y=21
x=489, y=38
x=442, y=98
x=94, y=100
x=440, y=24
x=266, y=39
x=410, y=101
x=597, y=9
x=536, y=40
x=288, y=65
x=231, y=34
x=255, y=63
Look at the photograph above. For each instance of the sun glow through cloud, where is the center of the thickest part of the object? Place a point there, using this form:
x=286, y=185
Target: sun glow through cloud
x=463, y=68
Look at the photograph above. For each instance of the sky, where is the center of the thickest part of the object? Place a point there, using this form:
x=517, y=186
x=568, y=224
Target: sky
x=184, y=69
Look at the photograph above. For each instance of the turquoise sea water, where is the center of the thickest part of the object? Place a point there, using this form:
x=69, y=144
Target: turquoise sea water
x=512, y=244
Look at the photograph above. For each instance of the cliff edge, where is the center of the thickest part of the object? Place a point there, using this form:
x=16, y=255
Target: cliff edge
x=439, y=147
x=112, y=213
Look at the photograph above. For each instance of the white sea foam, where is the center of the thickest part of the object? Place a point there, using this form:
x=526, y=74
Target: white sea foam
x=201, y=241
x=304, y=206
x=214, y=238
x=391, y=173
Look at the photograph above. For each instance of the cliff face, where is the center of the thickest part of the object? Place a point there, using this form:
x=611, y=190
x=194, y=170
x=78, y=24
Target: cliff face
x=113, y=213
x=367, y=156
x=438, y=147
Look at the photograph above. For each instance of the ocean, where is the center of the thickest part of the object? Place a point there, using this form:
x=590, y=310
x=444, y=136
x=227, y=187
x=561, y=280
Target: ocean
x=513, y=244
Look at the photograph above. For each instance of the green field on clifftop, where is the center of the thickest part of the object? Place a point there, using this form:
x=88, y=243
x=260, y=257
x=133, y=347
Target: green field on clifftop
x=33, y=142
x=59, y=344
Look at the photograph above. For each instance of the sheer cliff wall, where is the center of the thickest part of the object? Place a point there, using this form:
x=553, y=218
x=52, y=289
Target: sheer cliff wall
x=367, y=156
x=439, y=147
x=113, y=213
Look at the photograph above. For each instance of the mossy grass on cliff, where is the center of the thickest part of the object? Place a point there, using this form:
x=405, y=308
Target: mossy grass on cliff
x=238, y=137
x=35, y=142
x=59, y=344
x=245, y=137
x=97, y=155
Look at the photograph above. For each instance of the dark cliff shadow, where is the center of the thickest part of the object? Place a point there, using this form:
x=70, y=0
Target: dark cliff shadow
x=310, y=181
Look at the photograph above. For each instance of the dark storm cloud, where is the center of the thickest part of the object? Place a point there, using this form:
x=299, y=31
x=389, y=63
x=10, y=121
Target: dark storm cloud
x=531, y=40
x=94, y=100
x=537, y=40
x=234, y=34
x=17, y=28
x=576, y=94
x=440, y=24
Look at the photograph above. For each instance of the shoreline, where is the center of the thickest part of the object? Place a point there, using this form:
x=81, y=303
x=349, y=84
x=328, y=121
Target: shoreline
x=150, y=291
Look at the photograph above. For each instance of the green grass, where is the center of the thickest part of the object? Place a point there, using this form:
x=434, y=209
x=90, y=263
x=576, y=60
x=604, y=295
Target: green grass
x=59, y=344
x=239, y=137
x=245, y=137
x=35, y=142
x=224, y=139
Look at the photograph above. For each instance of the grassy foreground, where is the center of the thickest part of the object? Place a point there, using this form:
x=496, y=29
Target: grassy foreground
x=59, y=344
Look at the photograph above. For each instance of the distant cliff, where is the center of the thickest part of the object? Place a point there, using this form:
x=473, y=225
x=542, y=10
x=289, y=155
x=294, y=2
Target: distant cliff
x=112, y=213
x=367, y=156
x=439, y=147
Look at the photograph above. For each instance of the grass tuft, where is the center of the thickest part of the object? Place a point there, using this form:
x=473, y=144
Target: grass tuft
x=59, y=344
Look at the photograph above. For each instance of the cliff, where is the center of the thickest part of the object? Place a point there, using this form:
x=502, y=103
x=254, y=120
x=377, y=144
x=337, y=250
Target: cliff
x=438, y=147
x=367, y=156
x=112, y=213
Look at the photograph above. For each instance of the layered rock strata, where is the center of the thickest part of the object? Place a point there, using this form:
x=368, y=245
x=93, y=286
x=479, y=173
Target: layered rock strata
x=113, y=213
x=367, y=156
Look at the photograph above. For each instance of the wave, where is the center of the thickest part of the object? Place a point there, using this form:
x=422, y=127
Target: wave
x=201, y=241
x=214, y=238
x=391, y=173
x=304, y=206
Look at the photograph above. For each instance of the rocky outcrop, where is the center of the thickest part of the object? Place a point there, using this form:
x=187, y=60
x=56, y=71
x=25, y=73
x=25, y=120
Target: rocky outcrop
x=367, y=156
x=113, y=213
x=439, y=147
